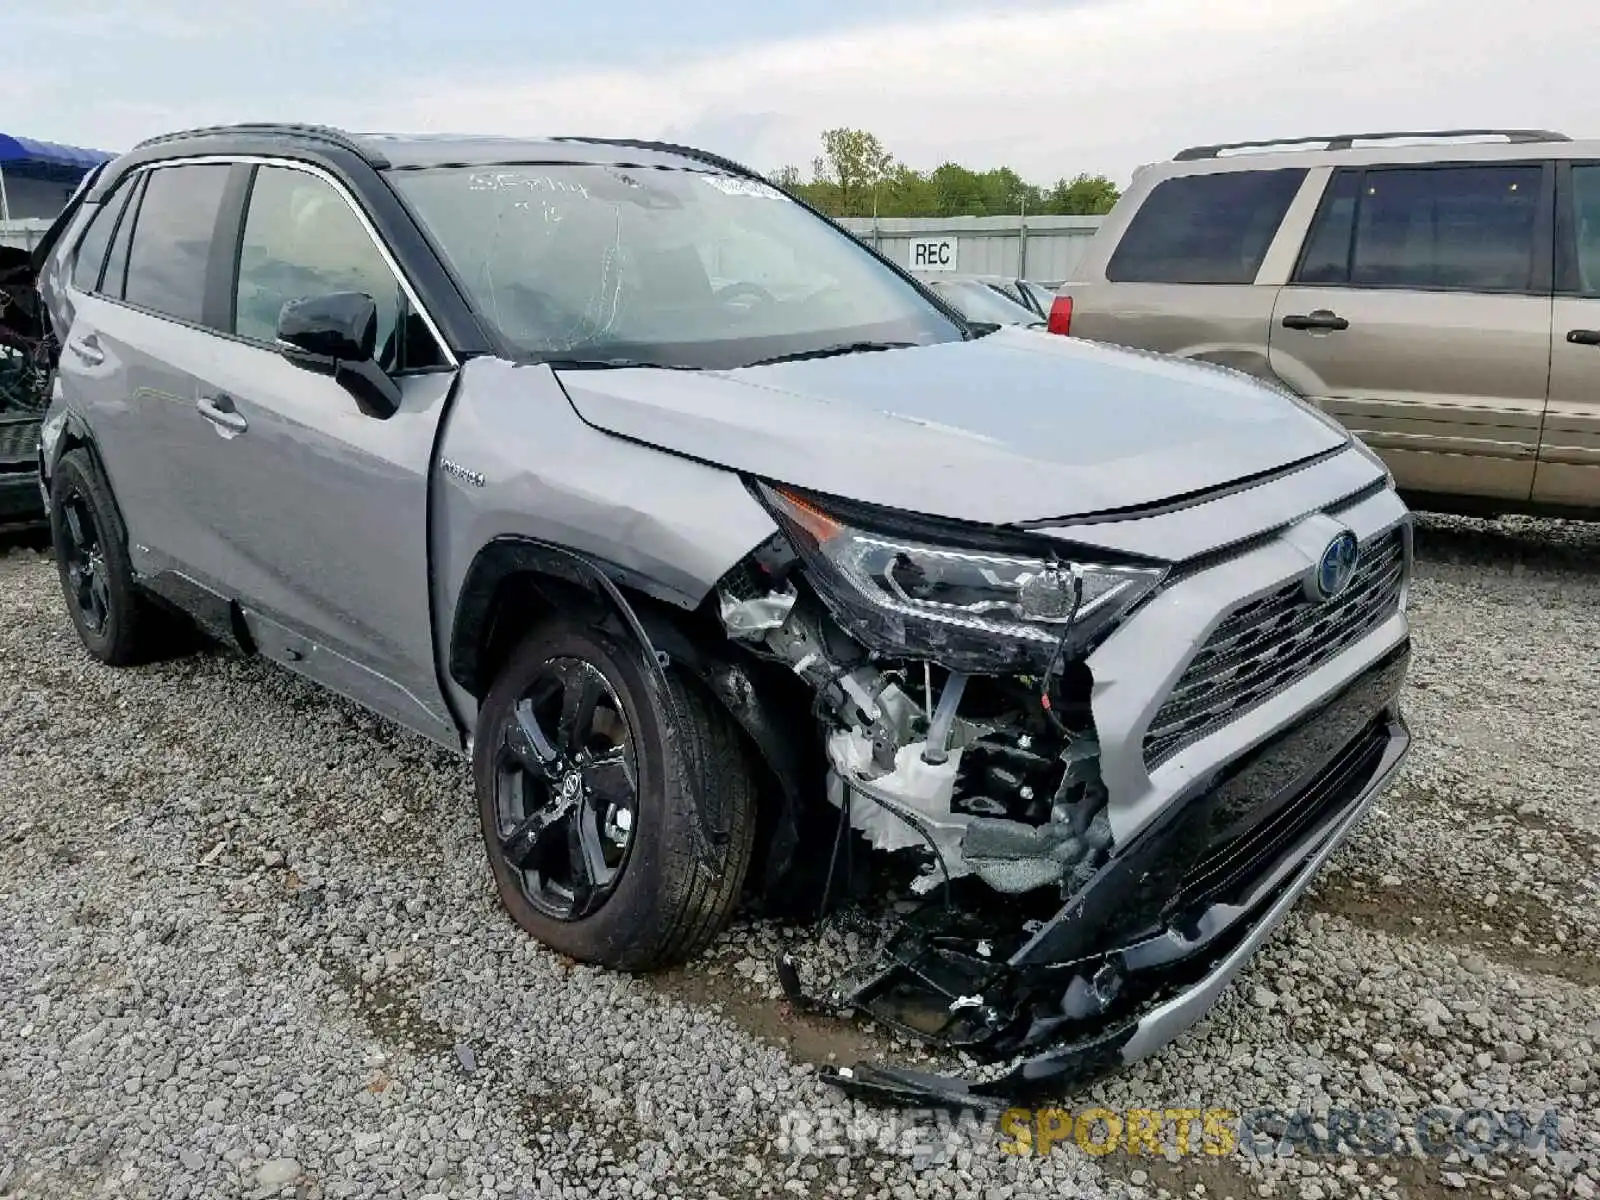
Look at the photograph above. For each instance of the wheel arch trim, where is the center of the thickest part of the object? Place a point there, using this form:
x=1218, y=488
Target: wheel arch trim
x=660, y=637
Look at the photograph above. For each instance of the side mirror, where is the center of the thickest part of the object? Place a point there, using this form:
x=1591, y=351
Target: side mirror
x=337, y=335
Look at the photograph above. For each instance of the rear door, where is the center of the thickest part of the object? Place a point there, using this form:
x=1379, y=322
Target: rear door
x=1182, y=278
x=1569, y=452
x=128, y=360
x=1419, y=316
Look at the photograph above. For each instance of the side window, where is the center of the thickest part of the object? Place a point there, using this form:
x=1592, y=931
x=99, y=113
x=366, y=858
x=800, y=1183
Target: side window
x=91, y=255
x=172, y=240
x=1205, y=228
x=1326, y=258
x=1580, y=268
x=301, y=238
x=1456, y=228
x=115, y=279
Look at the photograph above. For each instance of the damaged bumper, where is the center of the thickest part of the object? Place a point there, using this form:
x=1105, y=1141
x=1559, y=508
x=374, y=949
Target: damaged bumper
x=1073, y=863
x=1228, y=900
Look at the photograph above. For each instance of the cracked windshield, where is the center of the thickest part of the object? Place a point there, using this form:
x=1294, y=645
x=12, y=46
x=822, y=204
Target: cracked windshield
x=665, y=267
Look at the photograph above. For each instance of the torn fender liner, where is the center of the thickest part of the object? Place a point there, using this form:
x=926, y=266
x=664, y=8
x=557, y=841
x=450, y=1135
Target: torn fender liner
x=1119, y=997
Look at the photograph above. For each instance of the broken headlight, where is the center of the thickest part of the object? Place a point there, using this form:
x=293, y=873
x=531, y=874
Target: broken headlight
x=968, y=608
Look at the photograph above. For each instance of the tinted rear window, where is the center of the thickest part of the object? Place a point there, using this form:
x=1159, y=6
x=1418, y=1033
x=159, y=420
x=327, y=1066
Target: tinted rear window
x=1205, y=228
x=116, y=272
x=1327, y=253
x=91, y=254
x=1580, y=257
x=172, y=240
x=1469, y=228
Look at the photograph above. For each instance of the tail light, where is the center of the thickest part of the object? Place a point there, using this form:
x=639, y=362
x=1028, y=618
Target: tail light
x=1060, y=316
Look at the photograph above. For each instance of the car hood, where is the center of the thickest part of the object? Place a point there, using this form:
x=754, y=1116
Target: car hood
x=1015, y=426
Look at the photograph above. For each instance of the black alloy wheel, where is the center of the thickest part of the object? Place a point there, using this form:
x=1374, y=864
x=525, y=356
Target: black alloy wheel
x=84, y=562
x=116, y=621
x=566, y=790
x=617, y=805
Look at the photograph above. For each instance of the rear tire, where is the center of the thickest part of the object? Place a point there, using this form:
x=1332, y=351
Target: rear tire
x=117, y=622
x=681, y=852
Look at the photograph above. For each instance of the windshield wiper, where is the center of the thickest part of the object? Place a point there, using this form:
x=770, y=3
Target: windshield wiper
x=609, y=364
x=831, y=352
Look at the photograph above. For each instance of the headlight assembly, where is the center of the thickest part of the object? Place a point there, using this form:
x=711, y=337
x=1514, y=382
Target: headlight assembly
x=969, y=608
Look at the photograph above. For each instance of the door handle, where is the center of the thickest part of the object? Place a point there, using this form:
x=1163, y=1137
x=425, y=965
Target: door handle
x=88, y=350
x=1317, y=319
x=1584, y=337
x=220, y=411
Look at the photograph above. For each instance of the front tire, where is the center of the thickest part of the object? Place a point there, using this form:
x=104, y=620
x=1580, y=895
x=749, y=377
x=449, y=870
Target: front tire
x=618, y=822
x=116, y=622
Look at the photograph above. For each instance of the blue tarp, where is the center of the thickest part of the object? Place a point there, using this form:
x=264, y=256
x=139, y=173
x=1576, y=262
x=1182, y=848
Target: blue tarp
x=24, y=154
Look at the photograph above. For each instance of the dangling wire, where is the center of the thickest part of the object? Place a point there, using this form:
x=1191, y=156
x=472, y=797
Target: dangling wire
x=1060, y=650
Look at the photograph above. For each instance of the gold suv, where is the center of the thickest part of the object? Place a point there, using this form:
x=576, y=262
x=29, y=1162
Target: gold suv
x=1438, y=293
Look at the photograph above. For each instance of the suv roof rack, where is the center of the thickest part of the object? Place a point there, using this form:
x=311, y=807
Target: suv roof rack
x=1344, y=141
x=316, y=133
x=705, y=156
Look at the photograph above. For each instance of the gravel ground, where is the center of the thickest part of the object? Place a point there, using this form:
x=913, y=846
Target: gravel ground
x=248, y=947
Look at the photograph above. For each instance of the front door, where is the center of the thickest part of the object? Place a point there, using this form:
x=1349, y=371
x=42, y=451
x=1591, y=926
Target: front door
x=320, y=513
x=1419, y=316
x=1569, y=451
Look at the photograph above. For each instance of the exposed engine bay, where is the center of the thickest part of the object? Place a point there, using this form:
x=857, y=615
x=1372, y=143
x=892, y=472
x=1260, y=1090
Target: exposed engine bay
x=25, y=348
x=970, y=772
x=977, y=792
x=953, y=694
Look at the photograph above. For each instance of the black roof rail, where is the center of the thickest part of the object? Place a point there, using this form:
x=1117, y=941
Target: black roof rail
x=1344, y=141
x=705, y=156
x=314, y=133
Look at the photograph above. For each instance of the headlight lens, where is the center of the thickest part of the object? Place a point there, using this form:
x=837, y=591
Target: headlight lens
x=967, y=608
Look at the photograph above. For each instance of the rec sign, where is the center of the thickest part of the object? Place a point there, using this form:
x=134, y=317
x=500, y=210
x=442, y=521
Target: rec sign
x=932, y=254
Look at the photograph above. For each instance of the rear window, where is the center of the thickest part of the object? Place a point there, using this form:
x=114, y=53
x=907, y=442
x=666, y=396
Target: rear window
x=1580, y=256
x=1471, y=228
x=1205, y=228
x=91, y=255
x=172, y=240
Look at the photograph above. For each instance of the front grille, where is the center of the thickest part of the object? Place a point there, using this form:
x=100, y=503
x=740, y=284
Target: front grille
x=19, y=443
x=1267, y=644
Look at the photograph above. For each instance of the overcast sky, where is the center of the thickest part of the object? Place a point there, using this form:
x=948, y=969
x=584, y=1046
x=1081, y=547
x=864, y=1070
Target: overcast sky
x=1050, y=88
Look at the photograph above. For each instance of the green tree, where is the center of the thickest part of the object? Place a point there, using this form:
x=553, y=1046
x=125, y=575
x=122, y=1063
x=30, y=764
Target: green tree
x=855, y=164
x=1082, y=195
x=957, y=192
x=856, y=176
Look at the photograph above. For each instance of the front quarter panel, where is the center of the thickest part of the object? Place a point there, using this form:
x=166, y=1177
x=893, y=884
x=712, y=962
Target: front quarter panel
x=515, y=460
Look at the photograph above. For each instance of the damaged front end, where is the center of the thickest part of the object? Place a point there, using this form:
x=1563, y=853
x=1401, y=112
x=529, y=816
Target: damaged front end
x=951, y=671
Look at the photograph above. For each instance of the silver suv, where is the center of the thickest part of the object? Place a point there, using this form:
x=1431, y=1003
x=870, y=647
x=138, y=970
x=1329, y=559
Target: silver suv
x=1441, y=299
x=740, y=566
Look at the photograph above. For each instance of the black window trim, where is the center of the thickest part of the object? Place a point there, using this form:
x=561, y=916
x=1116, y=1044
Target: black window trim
x=229, y=226
x=117, y=197
x=1566, y=232
x=1122, y=237
x=129, y=216
x=1544, y=247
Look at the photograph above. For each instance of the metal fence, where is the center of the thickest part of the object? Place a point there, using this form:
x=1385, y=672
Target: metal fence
x=25, y=234
x=1041, y=248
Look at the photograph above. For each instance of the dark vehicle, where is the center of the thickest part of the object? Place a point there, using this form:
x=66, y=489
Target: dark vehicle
x=37, y=180
x=740, y=568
